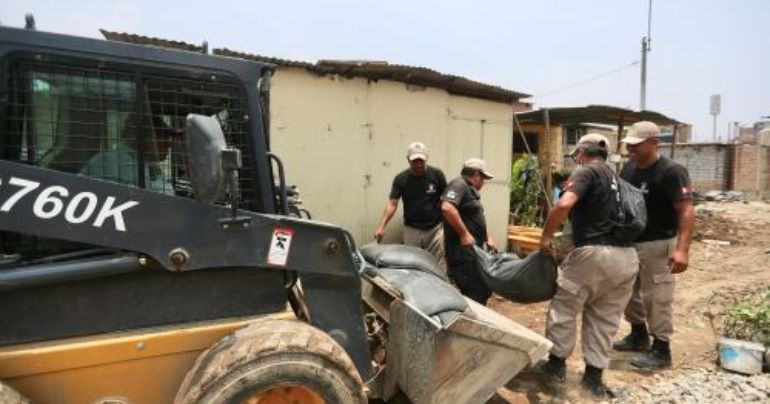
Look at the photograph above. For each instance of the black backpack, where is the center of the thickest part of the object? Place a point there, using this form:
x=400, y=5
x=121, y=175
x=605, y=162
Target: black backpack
x=632, y=211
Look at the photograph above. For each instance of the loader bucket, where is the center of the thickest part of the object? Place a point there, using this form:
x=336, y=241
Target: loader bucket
x=442, y=347
x=464, y=361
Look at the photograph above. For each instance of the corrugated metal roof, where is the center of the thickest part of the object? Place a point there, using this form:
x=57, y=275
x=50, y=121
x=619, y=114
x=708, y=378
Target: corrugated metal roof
x=370, y=70
x=602, y=114
x=144, y=40
x=401, y=73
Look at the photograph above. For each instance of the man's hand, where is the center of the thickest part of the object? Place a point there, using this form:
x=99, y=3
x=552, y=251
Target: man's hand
x=452, y=216
x=378, y=233
x=678, y=261
x=387, y=214
x=556, y=216
x=491, y=246
x=546, y=246
x=467, y=240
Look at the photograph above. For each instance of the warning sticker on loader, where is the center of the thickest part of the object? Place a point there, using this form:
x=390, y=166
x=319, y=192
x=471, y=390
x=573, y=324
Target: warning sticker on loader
x=279, y=246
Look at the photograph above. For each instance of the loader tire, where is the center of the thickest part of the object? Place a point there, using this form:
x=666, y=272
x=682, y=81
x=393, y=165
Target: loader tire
x=10, y=396
x=273, y=361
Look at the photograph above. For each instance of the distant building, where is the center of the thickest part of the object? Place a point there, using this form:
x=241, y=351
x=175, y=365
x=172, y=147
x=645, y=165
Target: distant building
x=761, y=124
x=683, y=133
x=763, y=137
x=567, y=124
x=756, y=134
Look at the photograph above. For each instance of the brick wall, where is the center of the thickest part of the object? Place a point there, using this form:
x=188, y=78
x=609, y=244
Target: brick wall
x=724, y=167
x=751, y=171
x=765, y=170
x=745, y=174
x=708, y=164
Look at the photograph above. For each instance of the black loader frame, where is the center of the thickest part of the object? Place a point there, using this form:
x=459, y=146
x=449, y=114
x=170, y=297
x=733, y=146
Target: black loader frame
x=139, y=240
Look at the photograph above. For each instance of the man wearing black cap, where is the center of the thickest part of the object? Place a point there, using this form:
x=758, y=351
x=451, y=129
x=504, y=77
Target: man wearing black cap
x=597, y=277
x=420, y=187
x=464, y=227
x=663, y=247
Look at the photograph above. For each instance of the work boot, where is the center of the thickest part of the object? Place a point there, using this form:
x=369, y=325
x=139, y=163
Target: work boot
x=554, y=370
x=658, y=357
x=592, y=381
x=637, y=341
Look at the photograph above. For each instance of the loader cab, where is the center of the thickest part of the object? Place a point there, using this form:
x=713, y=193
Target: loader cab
x=122, y=119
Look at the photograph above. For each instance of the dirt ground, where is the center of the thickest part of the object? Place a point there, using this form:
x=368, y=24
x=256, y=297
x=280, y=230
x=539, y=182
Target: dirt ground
x=741, y=266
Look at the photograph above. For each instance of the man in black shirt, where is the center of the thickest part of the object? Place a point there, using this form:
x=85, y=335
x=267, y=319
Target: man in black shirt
x=464, y=227
x=663, y=247
x=420, y=186
x=597, y=277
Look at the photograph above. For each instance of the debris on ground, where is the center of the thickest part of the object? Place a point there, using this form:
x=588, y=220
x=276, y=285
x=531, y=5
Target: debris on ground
x=713, y=227
x=696, y=385
x=721, y=196
x=715, y=242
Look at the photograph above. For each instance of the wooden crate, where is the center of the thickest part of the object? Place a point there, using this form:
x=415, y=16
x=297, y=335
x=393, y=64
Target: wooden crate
x=523, y=240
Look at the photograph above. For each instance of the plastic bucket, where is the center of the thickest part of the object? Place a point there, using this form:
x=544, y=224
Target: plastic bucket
x=741, y=356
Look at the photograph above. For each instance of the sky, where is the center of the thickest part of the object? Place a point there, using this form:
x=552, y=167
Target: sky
x=564, y=53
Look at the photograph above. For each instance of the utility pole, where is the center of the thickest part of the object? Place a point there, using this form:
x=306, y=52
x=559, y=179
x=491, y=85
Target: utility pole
x=645, y=49
x=643, y=92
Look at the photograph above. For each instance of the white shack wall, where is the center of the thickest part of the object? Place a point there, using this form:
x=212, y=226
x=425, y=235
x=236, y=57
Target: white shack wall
x=344, y=139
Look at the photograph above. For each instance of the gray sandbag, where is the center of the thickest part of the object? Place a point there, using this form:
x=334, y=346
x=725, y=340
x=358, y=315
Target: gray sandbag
x=402, y=256
x=428, y=294
x=528, y=280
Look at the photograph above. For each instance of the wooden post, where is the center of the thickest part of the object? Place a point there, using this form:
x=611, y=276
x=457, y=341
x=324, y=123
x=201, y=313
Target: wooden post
x=548, y=161
x=673, y=143
x=620, y=136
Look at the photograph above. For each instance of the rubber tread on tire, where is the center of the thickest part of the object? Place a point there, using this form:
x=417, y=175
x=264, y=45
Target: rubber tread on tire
x=269, y=353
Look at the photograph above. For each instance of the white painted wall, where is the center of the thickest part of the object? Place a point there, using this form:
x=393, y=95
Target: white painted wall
x=344, y=139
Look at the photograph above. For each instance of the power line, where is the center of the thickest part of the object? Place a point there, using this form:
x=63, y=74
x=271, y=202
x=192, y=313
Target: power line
x=588, y=80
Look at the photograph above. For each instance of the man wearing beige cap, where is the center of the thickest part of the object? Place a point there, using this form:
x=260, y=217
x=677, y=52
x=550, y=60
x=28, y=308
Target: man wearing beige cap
x=466, y=226
x=596, y=277
x=420, y=187
x=663, y=247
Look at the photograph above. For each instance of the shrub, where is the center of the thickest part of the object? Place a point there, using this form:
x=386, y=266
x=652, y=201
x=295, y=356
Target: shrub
x=525, y=191
x=745, y=317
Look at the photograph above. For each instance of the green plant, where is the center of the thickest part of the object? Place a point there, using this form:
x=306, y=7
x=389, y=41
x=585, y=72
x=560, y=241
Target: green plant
x=746, y=317
x=525, y=191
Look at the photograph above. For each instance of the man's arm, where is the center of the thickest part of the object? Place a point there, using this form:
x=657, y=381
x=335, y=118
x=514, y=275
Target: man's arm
x=556, y=216
x=452, y=216
x=679, y=259
x=676, y=182
x=387, y=214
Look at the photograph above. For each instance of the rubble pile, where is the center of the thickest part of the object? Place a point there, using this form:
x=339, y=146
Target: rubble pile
x=721, y=196
x=695, y=385
x=710, y=225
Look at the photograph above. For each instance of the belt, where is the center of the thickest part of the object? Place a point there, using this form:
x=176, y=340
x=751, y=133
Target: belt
x=422, y=226
x=656, y=237
x=605, y=241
